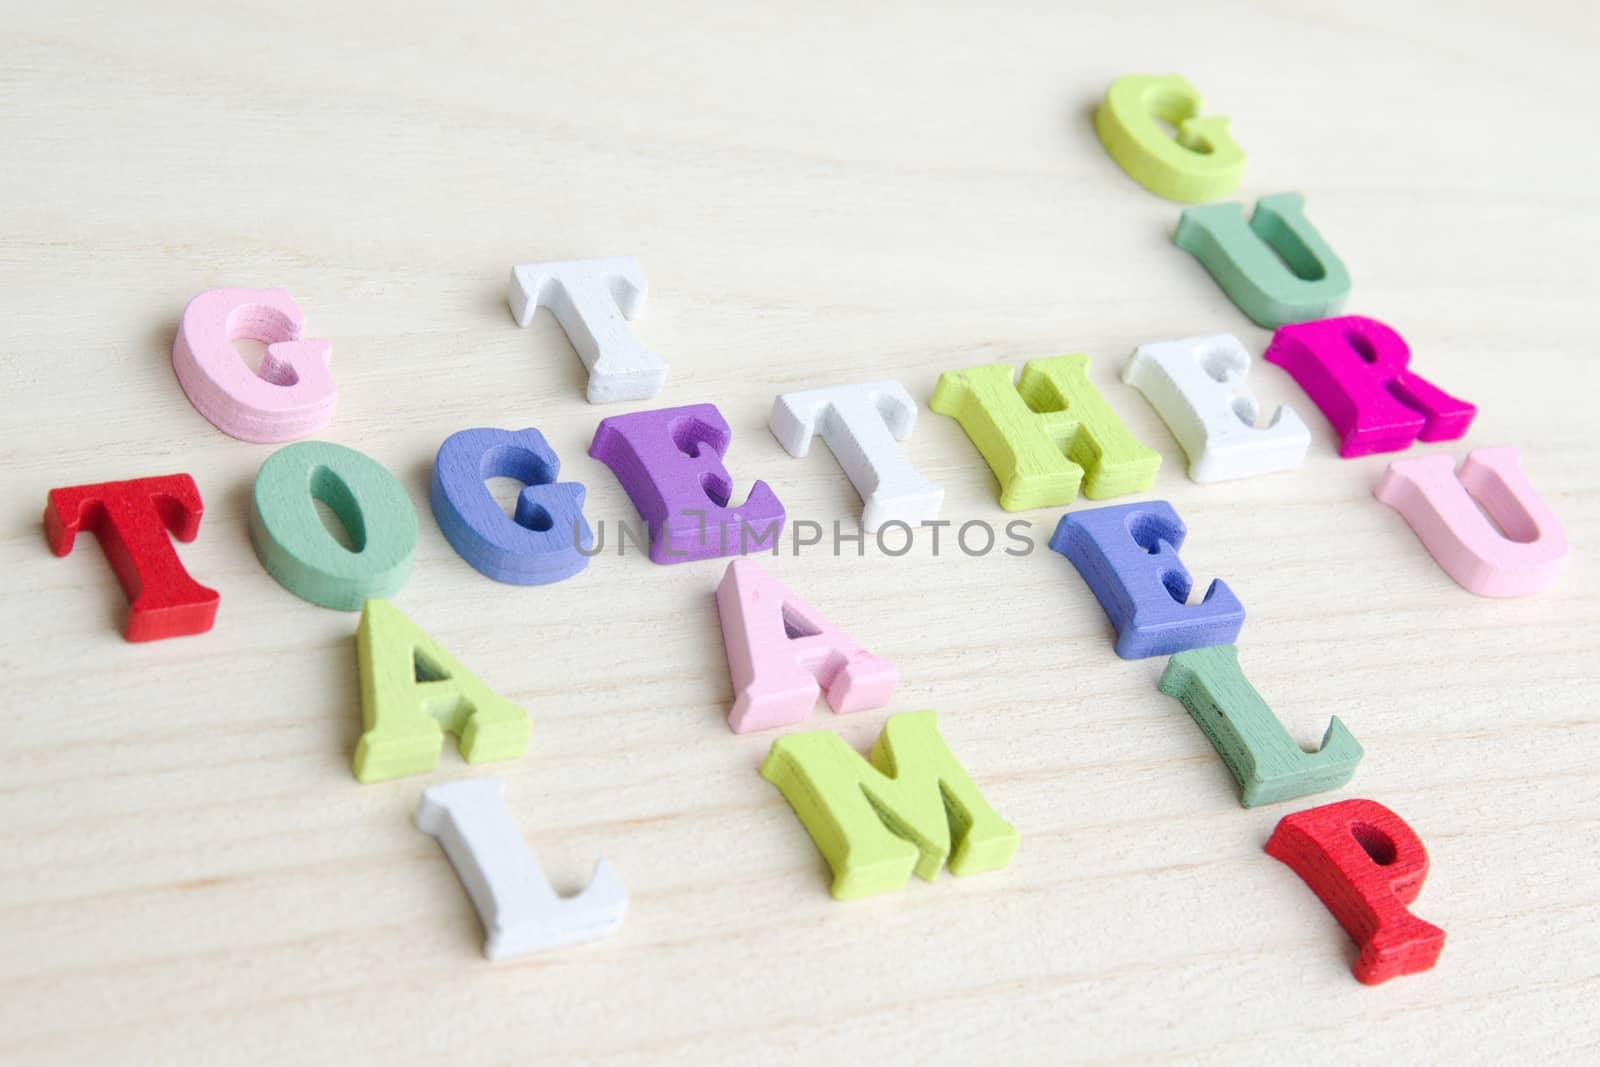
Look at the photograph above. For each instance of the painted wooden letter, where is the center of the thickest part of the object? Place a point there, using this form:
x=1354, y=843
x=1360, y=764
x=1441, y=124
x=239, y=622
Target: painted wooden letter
x=1046, y=434
x=861, y=424
x=521, y=912
x=1438, y=504
x=1354, y=369
x=293, y=394
x=131, y=520
x=546, y=540
x=1128, y=557
x=1202, y=162
x=297, y=549
x=593, y=299
x=1268, y=764
x=670, y=463
x=1367, y=866
x=875, y=822
x=1276, y=268
x=413, y=692
x=782, y=652
x=1198, y=388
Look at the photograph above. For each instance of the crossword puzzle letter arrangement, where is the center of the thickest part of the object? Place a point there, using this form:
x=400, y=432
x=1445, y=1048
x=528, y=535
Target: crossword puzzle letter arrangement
x=1048, y=435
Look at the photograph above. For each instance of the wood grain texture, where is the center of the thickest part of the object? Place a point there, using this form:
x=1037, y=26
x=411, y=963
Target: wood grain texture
x=188, y=872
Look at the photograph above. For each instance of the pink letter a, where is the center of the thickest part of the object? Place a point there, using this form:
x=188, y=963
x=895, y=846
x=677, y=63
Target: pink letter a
x=782, y=652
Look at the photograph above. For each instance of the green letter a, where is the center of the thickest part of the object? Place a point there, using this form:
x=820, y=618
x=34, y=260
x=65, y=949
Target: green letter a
x=413, y=692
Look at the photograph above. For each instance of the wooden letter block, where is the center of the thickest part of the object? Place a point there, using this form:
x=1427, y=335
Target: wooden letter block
x=546, y=540
x=1046, y=434
x=297, y=549
x=1367, y=866
x=521, y=912
x=861, y=424
x=593, y=299
x=1438, y=503
x=1198, y=388
x=877, y=822
x=1276, y=269
x=782, y=652
x=1354, y=369
x=293, y=394
x=1203, y=162
x=413, y=692
x=670, y=463
x=131, y=519
x=1128, y=556
x=1266, y=762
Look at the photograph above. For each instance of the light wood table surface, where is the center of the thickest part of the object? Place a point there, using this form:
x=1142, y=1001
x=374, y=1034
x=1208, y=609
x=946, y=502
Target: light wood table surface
x=819, y=194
